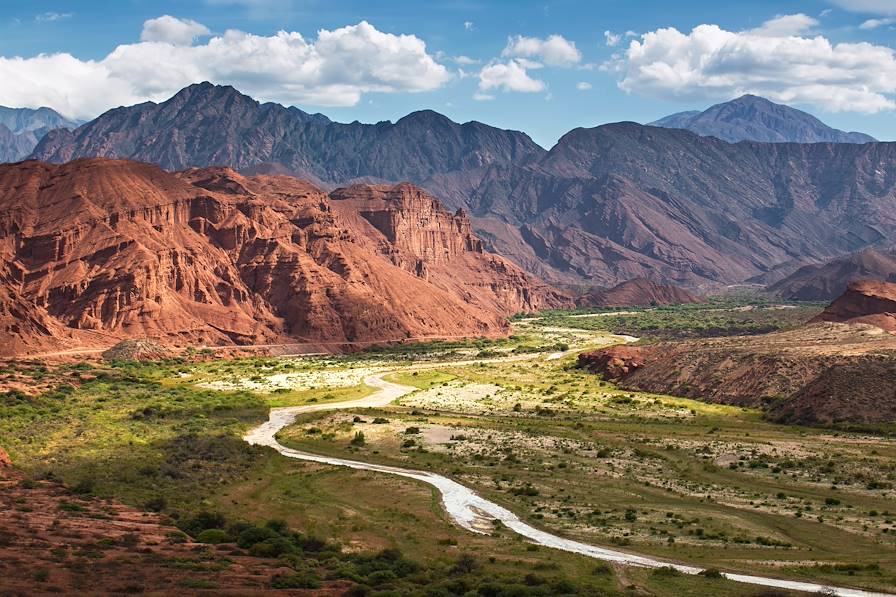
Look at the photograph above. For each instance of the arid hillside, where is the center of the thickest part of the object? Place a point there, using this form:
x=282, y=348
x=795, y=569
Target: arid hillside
x=866, y=301
x=98, y=250
x=823, y=374
x=638, y=292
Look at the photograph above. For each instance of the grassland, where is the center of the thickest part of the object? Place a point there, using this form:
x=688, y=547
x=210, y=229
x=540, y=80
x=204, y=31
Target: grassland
x=680, y=479
x=731, y=316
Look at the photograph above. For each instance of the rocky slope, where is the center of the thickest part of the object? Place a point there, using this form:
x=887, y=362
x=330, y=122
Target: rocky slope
x=752, y=118
x=866, y=301
x=604, y=205
x=100, y=250
x=818, y=282
x=639, y=292
x=43, y=526
x=22, y=128
x=824, y=374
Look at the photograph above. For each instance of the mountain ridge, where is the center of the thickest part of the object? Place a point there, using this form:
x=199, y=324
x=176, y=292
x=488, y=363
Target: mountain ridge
x=754, y=118
x=604, y=205
x=22, y=128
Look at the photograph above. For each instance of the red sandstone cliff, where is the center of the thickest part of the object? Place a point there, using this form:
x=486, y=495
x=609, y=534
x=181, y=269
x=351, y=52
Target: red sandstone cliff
x=97, y=249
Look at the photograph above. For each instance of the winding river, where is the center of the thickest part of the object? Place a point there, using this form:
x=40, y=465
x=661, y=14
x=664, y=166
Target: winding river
x=478, y=514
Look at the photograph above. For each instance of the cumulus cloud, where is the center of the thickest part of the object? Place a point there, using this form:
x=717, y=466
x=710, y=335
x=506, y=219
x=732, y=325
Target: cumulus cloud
x=334, y=69
x=612, y=39
x=508, y=76
x=875, y=23
x=876, y=7
x=583, y=86
x=469, y=25
x=774, y=61
x=553, y=51
x=168, y=29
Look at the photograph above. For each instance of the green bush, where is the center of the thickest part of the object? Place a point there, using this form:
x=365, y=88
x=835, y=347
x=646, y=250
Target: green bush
x=213, y=536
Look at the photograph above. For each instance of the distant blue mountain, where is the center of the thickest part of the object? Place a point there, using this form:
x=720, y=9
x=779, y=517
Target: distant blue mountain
x=753, y=118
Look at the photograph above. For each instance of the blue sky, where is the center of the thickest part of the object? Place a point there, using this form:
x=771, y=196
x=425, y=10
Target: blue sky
x=541, y=67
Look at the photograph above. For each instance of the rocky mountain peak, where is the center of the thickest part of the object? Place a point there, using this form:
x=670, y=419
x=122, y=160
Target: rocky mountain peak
x=755, y=118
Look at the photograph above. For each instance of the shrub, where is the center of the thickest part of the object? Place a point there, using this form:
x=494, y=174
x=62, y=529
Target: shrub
x=83, y=487
x=711, y=573
x=602, y=569
x=666, y=572
x=358, y=440
x=202, y=521
x=299, y=580
x=213, y=536
x=156, y=504
x=252, y=535
x=465, y=564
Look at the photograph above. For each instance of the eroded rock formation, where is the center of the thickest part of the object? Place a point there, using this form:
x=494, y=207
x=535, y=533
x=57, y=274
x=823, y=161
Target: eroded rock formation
x=107, y=249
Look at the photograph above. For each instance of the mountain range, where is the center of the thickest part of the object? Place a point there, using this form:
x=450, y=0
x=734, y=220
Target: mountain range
x=22, y=128
x=604, y=205
x=753, y=118
x=96, y=250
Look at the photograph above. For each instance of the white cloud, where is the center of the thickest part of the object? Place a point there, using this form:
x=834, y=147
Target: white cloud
x=469, y=25
x=334, y=69
x=168, y=29
x=786, y=25
x=773, y=61
x=583, y=86
x=875, y=23
x=553, y=51
x=483, y=97
x=876, y=7
x=612, y=39
x=49, y=17
x=466, y=60
x=825, y=12
x=508, y=76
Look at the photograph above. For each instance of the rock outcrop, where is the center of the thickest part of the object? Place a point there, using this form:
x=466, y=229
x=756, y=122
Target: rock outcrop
x=639, y=292
x=614, y=362
x=868, y=302
x=100, y=250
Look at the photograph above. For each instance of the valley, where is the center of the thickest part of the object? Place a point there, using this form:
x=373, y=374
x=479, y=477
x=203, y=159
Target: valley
x=513, y=419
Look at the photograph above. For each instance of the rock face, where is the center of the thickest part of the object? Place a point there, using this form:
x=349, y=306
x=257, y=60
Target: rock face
x=829, y=280
x=604, y=205
x=752, y=118
x=614, y=362
x=5, y=460
x=22, y=128
x=639, y=292
x=867, y=301
x=824, y=374
x=99, y=250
